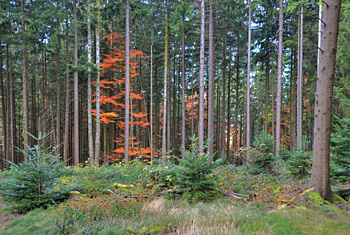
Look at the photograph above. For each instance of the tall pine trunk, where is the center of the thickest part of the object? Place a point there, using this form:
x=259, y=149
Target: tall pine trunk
x=300, y=86
x=201, y=81
x=211, y=81
x=248, y=79
x=165, y=84
x=25, y=86
x=67, y=101
x=90, y=136
x=320, y=178
x=76, y=93
x=279, y=81
x=98, y=123
x=127, y=87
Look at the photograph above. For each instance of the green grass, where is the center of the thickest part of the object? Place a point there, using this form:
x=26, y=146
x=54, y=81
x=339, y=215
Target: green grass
x=160, y=216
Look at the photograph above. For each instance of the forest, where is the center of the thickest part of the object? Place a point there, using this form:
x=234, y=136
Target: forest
x=174, y=117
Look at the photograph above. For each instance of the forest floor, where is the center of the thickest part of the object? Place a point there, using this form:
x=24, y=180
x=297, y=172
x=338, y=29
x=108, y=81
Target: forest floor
x=127, y=200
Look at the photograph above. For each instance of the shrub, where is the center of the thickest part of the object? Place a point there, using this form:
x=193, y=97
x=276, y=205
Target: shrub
x=340, y=148
x=298, y=161
x=32, y=183
x=196, y=172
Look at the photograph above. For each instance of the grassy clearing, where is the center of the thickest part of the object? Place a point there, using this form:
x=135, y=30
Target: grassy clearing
x=161, y=216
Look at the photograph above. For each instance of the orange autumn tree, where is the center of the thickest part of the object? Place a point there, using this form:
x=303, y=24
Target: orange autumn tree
x=112, y=97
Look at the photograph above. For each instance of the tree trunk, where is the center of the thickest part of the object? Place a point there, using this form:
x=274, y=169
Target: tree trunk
x=3, y=104
x=248, y=79
x=183, y=119
x=201, y=82
x=228, y=144
x=76, y=94
x=235, y=143
x=165, y=84
x=98, y=122
x=58, y=100
x=300, y=86
x=323, y=103
x=127, y=86
x=90, y=135
x=25, y=88
x=293, y=101
x=272, y=103
x=223, y=120
x=211, y=81
x=67, y=102
x=267, y=93
x=279, y=81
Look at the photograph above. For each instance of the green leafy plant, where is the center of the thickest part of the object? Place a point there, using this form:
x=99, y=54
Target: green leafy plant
x=196, y=171
x=340, y=148
x=31, y=184
x=298, y=161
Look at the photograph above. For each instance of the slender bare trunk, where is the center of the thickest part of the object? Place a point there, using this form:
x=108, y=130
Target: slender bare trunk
x=76, y=94
x=25, y=88
x=248, y=79
x=58, y=100
x=279, y=81
x=201, y=81
x=183, y=119
x=67, y=102
x=165, y=84
x=98, y=122
x=267, y=93
x=211, y=81
x=90, y=136
x=300, y=86
x=127, y=86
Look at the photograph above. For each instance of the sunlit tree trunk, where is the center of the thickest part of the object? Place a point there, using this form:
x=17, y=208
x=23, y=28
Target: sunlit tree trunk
x=267, y=93
x=25, y=86
x=67, y=102
x=279, y=81
x=76, y=94
x=248, y=79
x=235, y=143
x=300, y=85
x=165, y=84
x=98, y=122
x=90, y=136
x=183, y=119
x=211, y=81
x=323, y=103
x=58, y=99
x=201, y=81
x=127, y=86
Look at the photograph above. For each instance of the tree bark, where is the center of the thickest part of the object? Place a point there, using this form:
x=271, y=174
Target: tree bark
x=58, y=100
x=323, y=103
x=76, y=93
x=25, y=87
x=98, y=122
x=279, y=81
x=90, y=135
x=183, y=119
x=165, y=84
x=235, y=143
x=267, y=93
x=248, y=79
x=300, y=86
x=211, y=81
x=67, y=101
x=127, y=87
x=201, y=82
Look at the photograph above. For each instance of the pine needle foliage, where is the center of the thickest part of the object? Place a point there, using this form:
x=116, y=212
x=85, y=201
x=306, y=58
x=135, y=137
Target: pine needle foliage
x=31, y=184
x=196, y=171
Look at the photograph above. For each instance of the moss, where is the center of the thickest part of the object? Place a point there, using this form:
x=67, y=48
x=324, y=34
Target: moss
x=320, y=203
x=337, y=198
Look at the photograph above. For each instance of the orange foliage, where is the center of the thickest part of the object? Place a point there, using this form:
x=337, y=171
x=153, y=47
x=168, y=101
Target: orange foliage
x=113, y=96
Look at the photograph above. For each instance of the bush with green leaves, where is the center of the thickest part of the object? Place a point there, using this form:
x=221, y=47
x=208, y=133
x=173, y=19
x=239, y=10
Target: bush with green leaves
x=261, y=156
x=298, y=161
x=31, y=184
x=195, y=172
x=340, y=149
